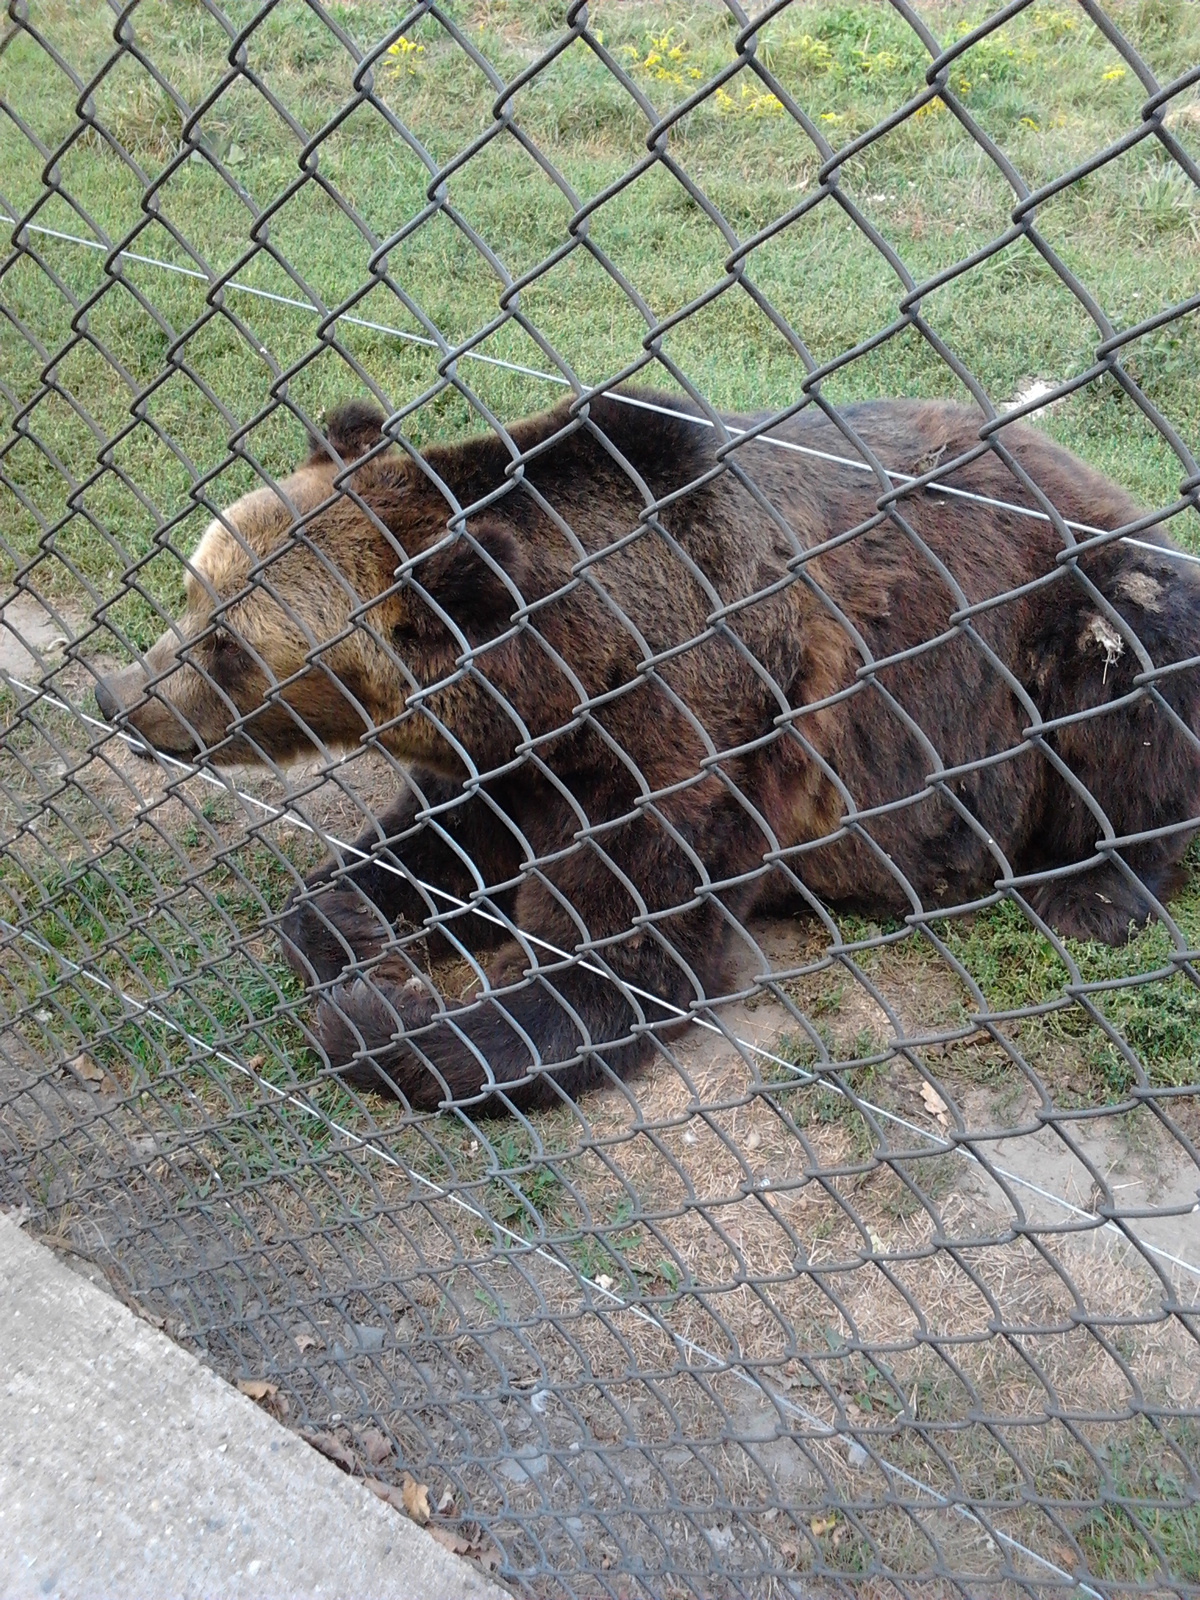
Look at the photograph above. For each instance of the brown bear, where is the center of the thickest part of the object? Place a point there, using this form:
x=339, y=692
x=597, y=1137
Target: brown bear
x=641, y=679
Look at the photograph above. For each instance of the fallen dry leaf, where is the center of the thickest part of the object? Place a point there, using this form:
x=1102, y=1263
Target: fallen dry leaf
x=257, y=1388
x=87, y=1069
x=306, y=1341
x=377, y=1445
x=386, y=1491
x=934, y=1103
x=478, y=1550
x=416, y=1499
x=267, y=1395
x=487, y=1556
x=445, y=1503
x=332, y=1447
x=454, y=1542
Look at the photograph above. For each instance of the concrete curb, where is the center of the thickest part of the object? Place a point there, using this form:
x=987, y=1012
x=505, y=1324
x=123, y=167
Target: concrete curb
x=127, y=1468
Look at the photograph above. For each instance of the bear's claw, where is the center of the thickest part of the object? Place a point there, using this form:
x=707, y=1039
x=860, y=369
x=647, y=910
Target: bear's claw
x=361, y=1025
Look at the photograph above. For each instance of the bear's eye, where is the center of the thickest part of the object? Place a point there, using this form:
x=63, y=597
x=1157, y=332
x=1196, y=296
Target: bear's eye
x=228, y=653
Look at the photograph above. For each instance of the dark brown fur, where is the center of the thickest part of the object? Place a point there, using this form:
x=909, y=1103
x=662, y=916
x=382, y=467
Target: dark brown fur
x=710, y=777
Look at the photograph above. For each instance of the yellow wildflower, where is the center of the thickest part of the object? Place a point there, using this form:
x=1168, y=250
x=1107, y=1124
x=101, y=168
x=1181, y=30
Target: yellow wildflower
x=399, y=57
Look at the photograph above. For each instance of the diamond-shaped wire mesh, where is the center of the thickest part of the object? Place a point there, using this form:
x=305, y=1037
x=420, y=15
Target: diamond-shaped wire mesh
x=648, y=979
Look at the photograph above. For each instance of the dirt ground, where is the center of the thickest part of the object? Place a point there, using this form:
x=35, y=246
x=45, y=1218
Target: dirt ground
x=750, y=1324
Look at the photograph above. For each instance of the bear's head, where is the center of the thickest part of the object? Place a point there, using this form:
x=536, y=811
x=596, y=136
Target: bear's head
x=339, y=603
x=274, y=646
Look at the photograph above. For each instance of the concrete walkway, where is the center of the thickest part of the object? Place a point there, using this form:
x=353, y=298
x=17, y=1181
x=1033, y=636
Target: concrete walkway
x=128, y=1469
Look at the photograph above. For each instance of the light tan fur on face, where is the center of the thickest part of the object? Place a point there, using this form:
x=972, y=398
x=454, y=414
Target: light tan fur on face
x=258, y=635
x=219, y=564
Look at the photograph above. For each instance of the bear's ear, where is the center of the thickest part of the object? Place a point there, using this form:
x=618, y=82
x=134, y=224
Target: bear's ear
x=466, y=584
x=352, y=428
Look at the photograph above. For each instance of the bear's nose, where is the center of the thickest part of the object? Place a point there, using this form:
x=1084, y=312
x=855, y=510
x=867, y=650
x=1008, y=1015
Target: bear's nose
x=108, y=700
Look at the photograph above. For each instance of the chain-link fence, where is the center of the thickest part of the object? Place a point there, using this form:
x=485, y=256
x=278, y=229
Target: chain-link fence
x=634, y=966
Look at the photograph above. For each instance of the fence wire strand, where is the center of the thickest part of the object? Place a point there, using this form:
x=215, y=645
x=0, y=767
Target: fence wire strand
x=637, y=964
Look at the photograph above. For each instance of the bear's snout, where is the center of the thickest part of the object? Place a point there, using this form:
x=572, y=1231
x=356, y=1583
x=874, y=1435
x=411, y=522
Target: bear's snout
x=120, y=693
x=107, y=700
x=123, y=700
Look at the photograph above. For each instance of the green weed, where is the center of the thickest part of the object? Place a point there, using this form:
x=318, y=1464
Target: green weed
x=1148, y=1524
x=526, y=1195
x=1015, y=967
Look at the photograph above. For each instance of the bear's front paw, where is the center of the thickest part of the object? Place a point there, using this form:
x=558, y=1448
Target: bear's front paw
x=1100, y=905
x=322, y=936
x=371, y=1012
x=361, y=1026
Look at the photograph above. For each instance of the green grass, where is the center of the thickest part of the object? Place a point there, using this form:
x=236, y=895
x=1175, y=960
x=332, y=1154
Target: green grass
x=527, y=1194
x=1148, y=1525
x=1047, y=86
x=1015, y=967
